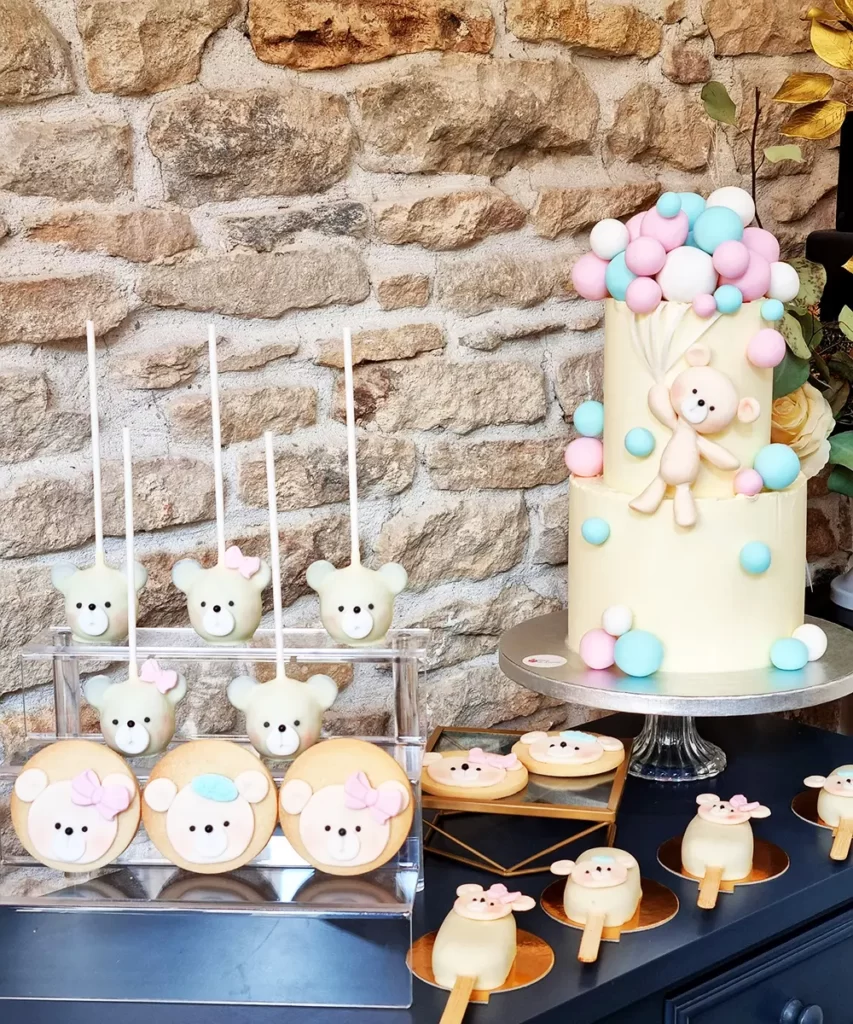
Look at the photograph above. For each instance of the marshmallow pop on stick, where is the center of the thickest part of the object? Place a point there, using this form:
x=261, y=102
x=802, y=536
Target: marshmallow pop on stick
x=356, y=603
x=283, y=716
x=138, y=713
x=224, y=602
x=835, y=806
x=96, y=598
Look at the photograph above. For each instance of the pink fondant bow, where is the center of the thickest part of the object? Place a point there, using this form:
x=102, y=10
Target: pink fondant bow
x=740, y=803
x=500, y=893
x=480, y=756
x=246, y=566
x=164, y=679
x=360, y=795
x=108, y=801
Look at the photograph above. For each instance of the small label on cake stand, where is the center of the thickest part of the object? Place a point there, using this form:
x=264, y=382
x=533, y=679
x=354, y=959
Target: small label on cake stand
x=544, y=661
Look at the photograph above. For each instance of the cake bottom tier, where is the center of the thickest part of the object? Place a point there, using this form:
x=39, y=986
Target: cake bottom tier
x=687, y=587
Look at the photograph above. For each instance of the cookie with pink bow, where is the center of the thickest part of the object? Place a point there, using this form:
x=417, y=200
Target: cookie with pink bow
x=75, y=806
x=346, y=806
x=474, y=774
x=570, y=753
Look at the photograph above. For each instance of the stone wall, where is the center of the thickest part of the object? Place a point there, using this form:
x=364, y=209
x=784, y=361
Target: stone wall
x=425, y=171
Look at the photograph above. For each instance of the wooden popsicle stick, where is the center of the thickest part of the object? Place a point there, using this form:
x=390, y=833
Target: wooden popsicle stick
x=841, y=842
x=457, y=1003
x=591, y=938
x=709, y=888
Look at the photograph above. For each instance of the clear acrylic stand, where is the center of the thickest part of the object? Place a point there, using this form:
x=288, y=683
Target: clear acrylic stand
x=295, y=917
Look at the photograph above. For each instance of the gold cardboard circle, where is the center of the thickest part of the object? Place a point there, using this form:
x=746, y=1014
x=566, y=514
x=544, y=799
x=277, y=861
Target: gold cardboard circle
x=768, y=862
x=804, y=805
x=657, y=906
x=533, y=960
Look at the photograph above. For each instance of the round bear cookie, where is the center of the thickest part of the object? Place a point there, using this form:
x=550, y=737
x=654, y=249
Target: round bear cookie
x=569, y=753
x=475, y=774
x=75, y=806
x=346, y=806
x=209, y=806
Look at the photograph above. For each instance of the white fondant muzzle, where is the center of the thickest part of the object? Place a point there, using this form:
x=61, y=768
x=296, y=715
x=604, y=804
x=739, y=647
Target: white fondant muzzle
x=219, y=623
x=693, y=412
x=69, y=849
x=132, y=739
x=280, y=744
x=93, y=623
x=357, y=625
x=343, y=848
x=209, y=846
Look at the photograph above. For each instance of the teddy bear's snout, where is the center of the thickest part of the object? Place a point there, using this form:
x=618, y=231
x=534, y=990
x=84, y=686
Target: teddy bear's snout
x=694, y=409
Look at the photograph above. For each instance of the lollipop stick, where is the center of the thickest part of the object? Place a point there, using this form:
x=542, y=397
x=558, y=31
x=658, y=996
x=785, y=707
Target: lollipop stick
x=128, y=542
x=217, y=444
x=591, y=939
x=349, y=398
x=709, y=888
x=96, y=444
x=274, y=557
x=457, y=1004
x=841, y=842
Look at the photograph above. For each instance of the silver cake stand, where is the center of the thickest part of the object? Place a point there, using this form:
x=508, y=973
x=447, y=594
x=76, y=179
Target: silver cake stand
x=669, y=747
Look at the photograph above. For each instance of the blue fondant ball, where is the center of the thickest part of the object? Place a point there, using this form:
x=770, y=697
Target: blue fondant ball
x=717, y=225
x=772, y=310
x=640, y=442
x=638, y=653
x=693, y=204
x=589, y=419
x=618, y=277
x=595, y=530
x=788, y=654
x=777, y=465
x=728, y=298
x=755, y=557
x=669, y=204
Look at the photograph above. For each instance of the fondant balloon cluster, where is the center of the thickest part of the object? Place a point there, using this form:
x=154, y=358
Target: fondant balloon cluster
x=689, y=249
x=775, y=467
x=635, y=651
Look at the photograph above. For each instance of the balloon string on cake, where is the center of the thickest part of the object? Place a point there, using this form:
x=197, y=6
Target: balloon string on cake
x=128, y=543
x=217, y=444
x=349, y=400
x=275, y=559
x=96, y=444
x=653, y=334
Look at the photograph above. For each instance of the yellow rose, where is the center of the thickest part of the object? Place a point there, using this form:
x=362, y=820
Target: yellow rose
x=803, y=420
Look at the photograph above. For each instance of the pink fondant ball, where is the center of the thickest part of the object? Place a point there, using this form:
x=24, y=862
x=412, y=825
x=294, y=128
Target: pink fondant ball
x=634, y=225
x=671, y=232
x=585, y=456
x=645, y=256
x=766, y=348
x=755, y=282
x=763, y=242
x=748, y=482
x=597, y=649
x=704, y=306
x=643, y=295
x=588, y=276
x=731, y=259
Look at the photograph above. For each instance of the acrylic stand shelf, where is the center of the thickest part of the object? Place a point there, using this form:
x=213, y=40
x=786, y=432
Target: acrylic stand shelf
x=317, y=917
x=669, y=748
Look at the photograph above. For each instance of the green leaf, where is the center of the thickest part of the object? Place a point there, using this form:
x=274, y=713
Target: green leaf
x=792, y=332
x=812, y=282
x=777, y=153
x=842, y=365
x=837, y=396
x=718, y=104
x=841, y=449
x=841, y=481
x=789, y=375
x=845, y=322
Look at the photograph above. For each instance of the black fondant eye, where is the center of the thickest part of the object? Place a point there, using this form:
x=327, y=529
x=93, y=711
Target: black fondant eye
x=230, y=604
x=695, y=391
x=358, y=828
x=147, y=720
x=192, y=828
x=453, y=769
x=58, y=825
x=479, y=769
x=85, y=828
x=204, y=604
x=225, y=824
x=115, y=721
x=79, y=604
x=370, y=606
x=710, y=408
x=266, y=725
x=295, y=722
x=328, y=828
x=107, y=604
x=340, y=607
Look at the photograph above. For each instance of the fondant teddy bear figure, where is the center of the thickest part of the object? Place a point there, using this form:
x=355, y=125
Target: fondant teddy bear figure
x=283, y=716
x=835, y=800
x=478, y=938
x=96, y=600
x=224, y=602
x=720, y=836
x=137, y=715
x=357, y=603
x=474, y=774
x=572, y=746
x=701, y=401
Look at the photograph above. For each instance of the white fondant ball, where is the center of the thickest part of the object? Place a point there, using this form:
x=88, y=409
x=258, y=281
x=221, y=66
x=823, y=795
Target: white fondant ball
x=735, y=199
x=608, y=238
x=617, y=619
x=784, y=282
x=813, y=637
x=688, y=272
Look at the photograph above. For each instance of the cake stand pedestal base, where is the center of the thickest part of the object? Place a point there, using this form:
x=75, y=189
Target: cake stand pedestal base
x=670, y=749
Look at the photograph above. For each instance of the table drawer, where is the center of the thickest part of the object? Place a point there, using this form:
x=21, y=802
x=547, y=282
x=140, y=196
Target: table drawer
x=806, y=980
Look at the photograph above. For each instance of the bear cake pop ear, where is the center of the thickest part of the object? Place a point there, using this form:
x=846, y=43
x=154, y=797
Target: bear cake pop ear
x=223, y=602
x=96, y=606
x=356, y=603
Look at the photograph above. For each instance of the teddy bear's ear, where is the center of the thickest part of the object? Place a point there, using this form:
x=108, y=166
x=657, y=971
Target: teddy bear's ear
x=60, y=575
x=395, y=577
x=433, y=757
x=95, y=689
x=260, y=580
x=562, y=867
x=240, y=691
x=295, y=795
x=159, y=794
x=324, y=690
x=707, y=799
x=698, y=355
x=469, y=889
x=178, y=691
x=609, y=743
x=120, y=779
x=534, y=737
x=397, y=787
x=318, y=572
x=252, y=786
x=140, y=576
x=184, y=573
x=748, y=410
x=523, y=903
x=815, y=781
x=30, y=784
